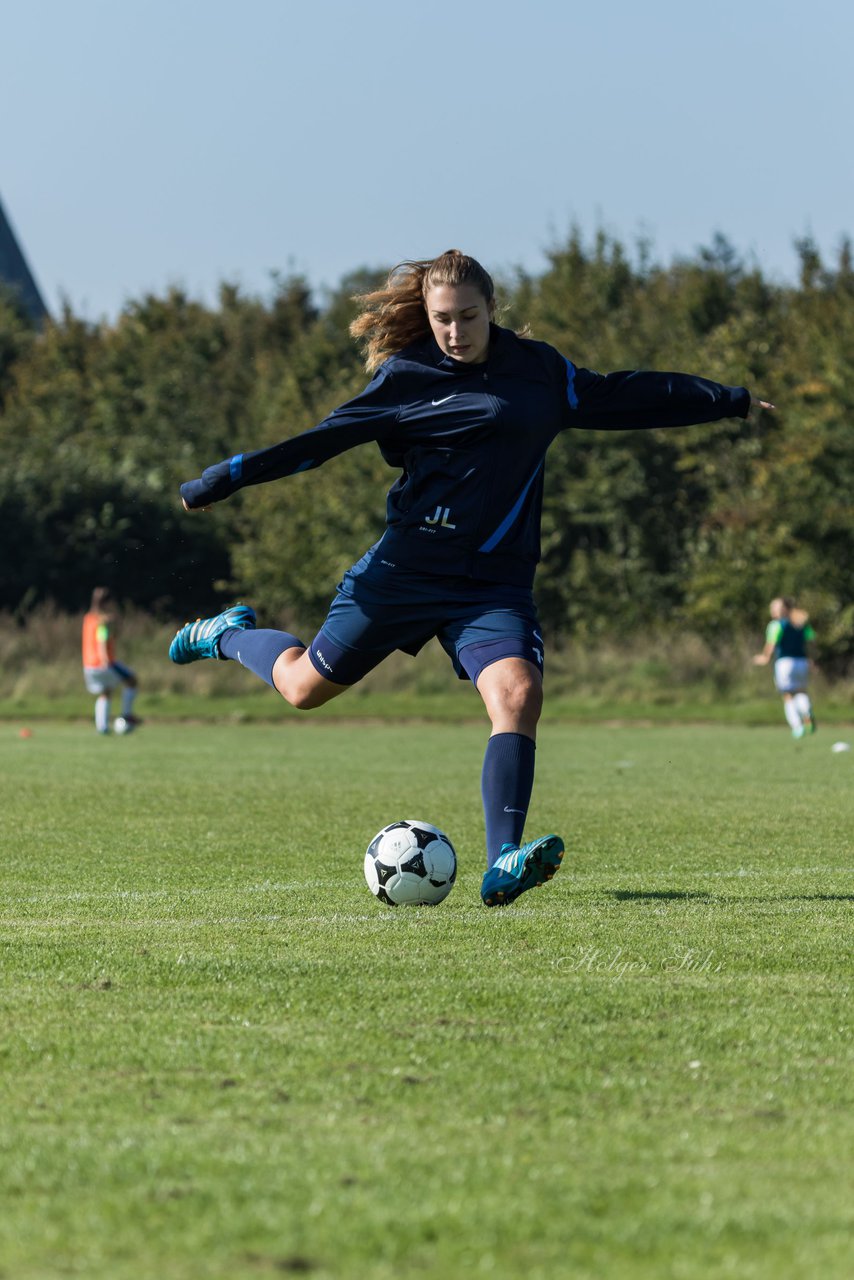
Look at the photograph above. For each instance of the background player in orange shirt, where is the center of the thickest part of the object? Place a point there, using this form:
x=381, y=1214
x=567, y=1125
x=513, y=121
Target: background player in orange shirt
x=101, y=671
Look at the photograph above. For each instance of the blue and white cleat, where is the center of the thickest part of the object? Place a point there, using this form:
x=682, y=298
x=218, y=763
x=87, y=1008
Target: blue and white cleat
x=516, y=871
x=200, y=639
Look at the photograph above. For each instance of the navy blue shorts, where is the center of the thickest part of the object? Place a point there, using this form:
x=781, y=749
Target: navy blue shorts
x=381, y=607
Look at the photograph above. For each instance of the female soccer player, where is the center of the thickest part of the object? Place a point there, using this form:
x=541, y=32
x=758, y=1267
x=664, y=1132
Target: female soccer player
x=786, y=638
x=466, y=410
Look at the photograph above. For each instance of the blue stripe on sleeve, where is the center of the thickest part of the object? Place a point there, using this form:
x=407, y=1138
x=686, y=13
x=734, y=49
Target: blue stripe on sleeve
x=235, y=466
x=493, y=541
x=570, y=384
x=304, y=466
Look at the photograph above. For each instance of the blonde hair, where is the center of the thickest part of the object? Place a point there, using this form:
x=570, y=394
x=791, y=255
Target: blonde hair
x=395, y=315
x=797, y=616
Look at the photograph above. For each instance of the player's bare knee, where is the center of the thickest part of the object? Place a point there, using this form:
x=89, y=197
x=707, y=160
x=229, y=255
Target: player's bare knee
x=515, y=707
x=303, y=699
x=301, y=686
x=293, y=689
x=523, y=698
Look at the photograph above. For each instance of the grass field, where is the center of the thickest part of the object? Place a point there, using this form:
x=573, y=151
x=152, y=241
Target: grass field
x=220, y=1057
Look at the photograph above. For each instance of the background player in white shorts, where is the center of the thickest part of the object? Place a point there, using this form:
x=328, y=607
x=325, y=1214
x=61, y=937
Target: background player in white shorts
x=786, y=638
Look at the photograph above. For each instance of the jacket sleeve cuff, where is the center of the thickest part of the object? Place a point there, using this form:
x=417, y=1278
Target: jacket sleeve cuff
x=742, y=401
x=214, y=484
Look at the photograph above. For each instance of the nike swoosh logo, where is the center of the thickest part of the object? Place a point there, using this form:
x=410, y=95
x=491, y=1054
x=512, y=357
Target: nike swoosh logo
x=445, y=399
x=506, y=810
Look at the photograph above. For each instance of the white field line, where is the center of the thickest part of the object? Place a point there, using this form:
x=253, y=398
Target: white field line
x=383, y=919
x=137, y=895
x=648, y=877
x=94, y=922
x=331, y=918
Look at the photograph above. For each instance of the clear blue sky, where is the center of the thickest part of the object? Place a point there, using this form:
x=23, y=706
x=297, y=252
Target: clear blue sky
x=151, y=142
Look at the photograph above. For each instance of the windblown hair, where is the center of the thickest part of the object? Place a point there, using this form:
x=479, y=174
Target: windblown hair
x=394, y=316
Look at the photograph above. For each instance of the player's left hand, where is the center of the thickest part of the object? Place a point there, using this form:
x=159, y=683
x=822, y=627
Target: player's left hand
x=756, y=406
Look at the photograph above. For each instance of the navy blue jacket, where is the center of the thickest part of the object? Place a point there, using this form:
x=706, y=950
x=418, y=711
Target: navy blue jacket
x=470, y=442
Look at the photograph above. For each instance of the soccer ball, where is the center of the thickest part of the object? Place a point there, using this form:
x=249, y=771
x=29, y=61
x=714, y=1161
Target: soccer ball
x=120, y=725
x=410, y=863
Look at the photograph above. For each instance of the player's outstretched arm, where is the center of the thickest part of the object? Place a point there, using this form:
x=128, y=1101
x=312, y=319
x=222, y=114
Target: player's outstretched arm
x=643, y=399
x=369, y=416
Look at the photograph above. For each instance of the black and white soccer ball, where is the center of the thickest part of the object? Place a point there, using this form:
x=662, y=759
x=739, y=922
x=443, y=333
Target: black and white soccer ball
x=410, y=863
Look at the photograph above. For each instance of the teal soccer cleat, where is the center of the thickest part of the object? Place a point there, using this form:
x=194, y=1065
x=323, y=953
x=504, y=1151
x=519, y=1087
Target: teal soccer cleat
x=518, y=870
x=200, y=639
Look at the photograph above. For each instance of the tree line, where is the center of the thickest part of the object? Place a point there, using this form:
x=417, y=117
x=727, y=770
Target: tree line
x=697, y=528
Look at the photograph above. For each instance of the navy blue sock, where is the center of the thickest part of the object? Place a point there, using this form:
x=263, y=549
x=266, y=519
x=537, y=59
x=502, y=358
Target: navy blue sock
x=257, y=650
x=506, y=785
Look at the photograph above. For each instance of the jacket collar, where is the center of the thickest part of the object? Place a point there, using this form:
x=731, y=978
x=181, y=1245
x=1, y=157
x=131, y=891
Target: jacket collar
x=496, y=356
x=507, y=354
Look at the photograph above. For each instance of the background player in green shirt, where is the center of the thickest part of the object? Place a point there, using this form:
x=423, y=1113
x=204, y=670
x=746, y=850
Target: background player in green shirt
x=786, y=639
